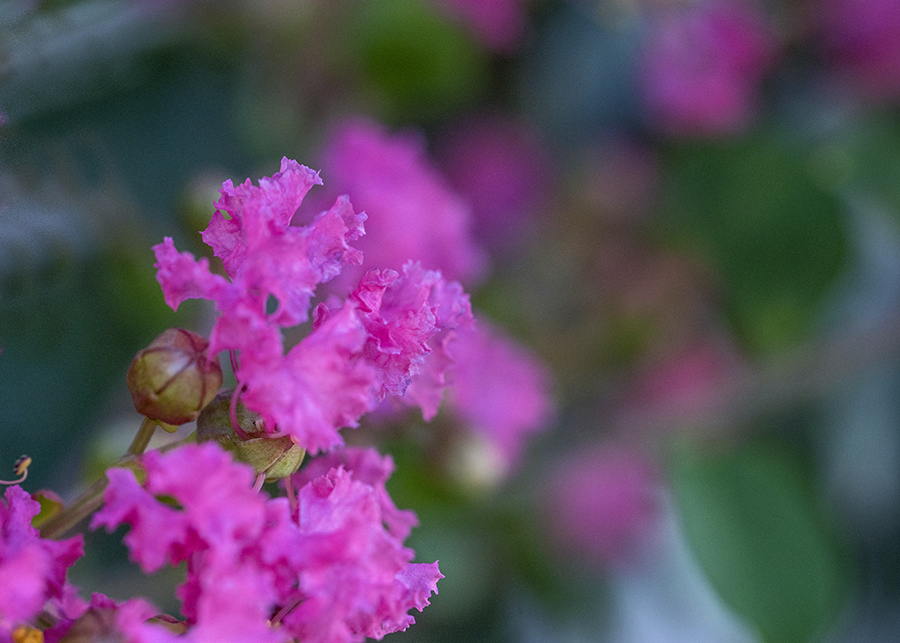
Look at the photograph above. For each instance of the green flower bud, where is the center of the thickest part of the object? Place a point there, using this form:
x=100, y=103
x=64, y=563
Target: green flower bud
x=276, y=457
x=173, y=378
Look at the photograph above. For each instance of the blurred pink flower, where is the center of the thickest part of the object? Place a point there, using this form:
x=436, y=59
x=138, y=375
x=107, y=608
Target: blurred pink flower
x=500, y=168
x=499, y=390
x=686, y=382
x=413, y=215
x=702, y=66
x=862, y=40
x=498, y=24
x=602, y=503
x=32, y=569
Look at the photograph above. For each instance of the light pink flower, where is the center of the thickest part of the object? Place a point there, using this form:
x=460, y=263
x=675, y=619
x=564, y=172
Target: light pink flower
x=32, y=569
x=862, y=40
x=703, y=64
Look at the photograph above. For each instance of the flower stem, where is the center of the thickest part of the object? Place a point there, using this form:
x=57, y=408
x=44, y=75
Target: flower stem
x=86, y=504
x=142, y=439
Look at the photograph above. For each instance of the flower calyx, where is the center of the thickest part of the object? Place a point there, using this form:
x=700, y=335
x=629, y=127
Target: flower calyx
x=276, y=457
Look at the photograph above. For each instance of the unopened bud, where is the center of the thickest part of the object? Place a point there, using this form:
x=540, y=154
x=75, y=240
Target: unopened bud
x=276, y=457
x=173, y=378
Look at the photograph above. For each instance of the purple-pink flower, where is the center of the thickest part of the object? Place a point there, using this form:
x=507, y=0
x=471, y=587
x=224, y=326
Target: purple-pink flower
x=601, y=504
x=357, y=352
x=498, y=24
x=499, y=166
x=332, y=568
x=413, y=213
x=702, y=66
x=500, y=391
x=32, y=569
x=862, y=41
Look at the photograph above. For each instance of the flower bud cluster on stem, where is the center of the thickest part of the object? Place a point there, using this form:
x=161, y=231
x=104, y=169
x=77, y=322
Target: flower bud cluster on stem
x=324, y=563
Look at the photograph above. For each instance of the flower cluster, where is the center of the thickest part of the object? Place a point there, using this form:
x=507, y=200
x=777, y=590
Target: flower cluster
x=323, y=563
x=416, y=215
x=359, y=351
x=323, y=571
x=32, y=569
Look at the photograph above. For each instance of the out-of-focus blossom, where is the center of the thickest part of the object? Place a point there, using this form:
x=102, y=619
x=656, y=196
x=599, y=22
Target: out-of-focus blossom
x=862, y=40
x=687, y=382
x=412, y=212
x=356, y=353
x=498, y=24
x=702, y=66
x=499, y=166
x=326, y=571
x=500, y=391
x=32, y=569
x=601, y=504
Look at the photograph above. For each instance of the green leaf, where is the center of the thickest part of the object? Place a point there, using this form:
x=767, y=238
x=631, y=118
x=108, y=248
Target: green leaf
x=757, y=212
x=753, y=526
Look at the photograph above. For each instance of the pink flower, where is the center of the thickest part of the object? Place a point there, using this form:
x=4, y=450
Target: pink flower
x=703, y=65
x=32, y=569
x=370, y=468
x=499, y=24
x=356, y=353
x=500, y=391
x=413, y=214
x=326, y=571
x=601, y=504
x=503, y=172
x=862, y=40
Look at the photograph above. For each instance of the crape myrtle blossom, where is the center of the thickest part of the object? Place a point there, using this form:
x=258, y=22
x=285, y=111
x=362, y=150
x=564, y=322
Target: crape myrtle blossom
x=702, y=66
x=601, y=506
x=497, y=388
x=32, y=569
x=413, y=213
x=332, y=569
x=358, y=352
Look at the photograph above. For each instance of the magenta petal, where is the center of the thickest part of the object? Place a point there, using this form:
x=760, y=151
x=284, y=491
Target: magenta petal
x=256, y=212
x=318, y=387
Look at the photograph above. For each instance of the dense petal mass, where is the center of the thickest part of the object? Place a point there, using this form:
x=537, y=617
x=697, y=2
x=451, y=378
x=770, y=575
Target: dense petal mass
x=366, y=586
x=328, y=572
x=370, y=468
x=319, y=386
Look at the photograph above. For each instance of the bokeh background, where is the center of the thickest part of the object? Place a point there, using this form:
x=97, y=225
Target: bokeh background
x=687, y=216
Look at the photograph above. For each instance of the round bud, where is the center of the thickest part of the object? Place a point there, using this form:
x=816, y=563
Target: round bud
x=173, y=378
x=276, y=457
